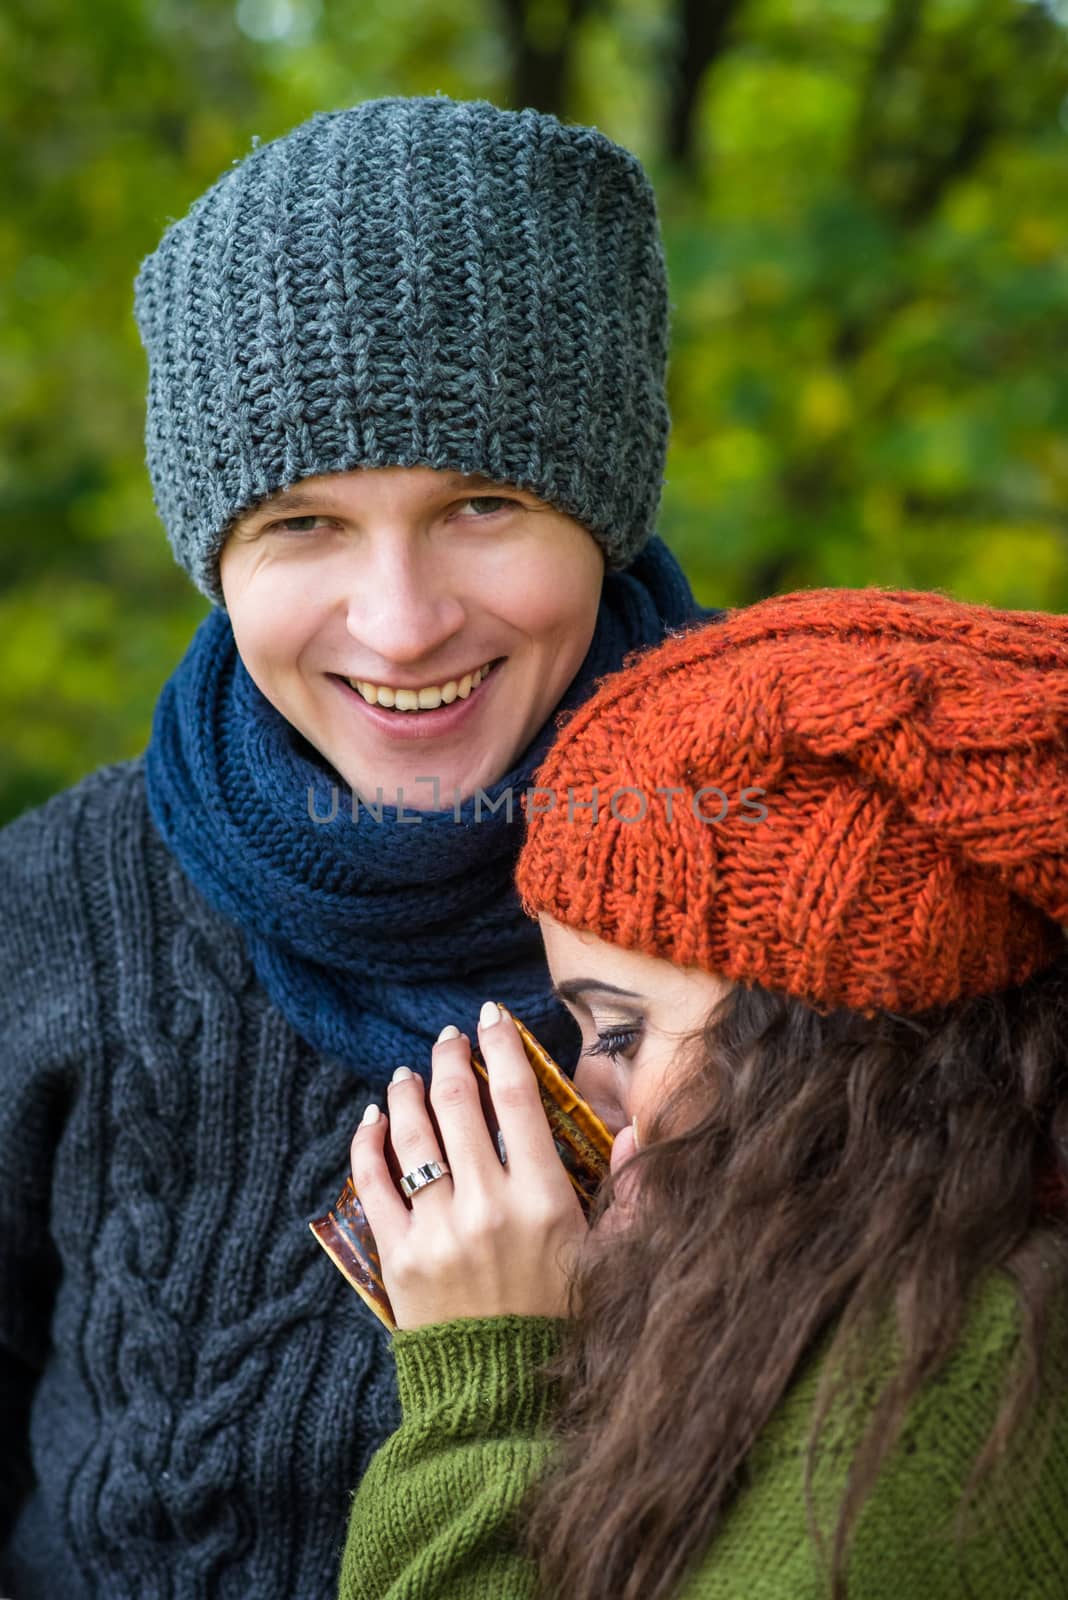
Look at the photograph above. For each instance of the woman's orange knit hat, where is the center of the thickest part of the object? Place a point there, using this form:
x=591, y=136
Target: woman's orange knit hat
x=909, y=843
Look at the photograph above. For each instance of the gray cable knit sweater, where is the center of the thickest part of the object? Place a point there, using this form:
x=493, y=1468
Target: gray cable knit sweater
x=189, y=1390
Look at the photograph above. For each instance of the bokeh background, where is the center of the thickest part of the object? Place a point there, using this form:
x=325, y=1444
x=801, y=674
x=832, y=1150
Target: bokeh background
x=866, y=211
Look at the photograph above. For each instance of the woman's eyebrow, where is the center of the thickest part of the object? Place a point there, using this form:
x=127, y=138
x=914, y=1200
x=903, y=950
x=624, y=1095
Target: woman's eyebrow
x=575, y=988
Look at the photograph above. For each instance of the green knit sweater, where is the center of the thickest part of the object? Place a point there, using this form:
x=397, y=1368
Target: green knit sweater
x=434, y=1516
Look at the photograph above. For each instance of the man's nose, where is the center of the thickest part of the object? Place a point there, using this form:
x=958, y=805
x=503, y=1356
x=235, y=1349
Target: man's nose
x=403, y=606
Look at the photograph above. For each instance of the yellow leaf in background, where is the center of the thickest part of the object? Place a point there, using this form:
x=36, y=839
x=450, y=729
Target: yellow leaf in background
x=825, y=405
x=737, y=455
x=1038, y=238
x=969, y=207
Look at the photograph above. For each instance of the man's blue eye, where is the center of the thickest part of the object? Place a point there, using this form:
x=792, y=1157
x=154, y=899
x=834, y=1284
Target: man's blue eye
x=614, y=1042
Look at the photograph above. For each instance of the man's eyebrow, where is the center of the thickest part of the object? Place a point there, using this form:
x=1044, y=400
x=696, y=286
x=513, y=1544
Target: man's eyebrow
x=289, y=500
x=575, y=988
x=298, y=499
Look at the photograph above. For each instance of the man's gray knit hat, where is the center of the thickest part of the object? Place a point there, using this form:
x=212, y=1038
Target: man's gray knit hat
x=411, y=282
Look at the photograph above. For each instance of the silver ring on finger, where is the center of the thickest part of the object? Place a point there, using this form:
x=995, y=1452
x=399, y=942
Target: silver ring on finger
x=421, y=1176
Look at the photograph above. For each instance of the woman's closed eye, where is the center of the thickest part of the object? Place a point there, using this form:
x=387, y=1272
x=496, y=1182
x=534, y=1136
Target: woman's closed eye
x=615, y=1043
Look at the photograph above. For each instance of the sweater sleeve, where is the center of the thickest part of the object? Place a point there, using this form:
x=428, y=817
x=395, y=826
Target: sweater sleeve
x=434, y=1517
x=34, y=997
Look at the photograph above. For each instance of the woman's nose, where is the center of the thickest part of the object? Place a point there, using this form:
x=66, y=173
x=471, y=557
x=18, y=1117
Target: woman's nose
x=600, y=1096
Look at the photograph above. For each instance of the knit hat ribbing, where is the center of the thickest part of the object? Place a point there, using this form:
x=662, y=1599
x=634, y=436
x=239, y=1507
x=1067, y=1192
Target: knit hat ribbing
x=913, y=751
x=411, y=282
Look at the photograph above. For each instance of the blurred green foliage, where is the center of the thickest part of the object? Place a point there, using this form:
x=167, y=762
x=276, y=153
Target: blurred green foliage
x=865, y=209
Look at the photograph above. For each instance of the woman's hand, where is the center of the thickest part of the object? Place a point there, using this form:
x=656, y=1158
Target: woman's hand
x=488, y=1239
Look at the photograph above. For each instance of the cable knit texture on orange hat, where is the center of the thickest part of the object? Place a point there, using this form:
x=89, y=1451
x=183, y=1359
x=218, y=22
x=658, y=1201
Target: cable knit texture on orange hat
x=912, y=751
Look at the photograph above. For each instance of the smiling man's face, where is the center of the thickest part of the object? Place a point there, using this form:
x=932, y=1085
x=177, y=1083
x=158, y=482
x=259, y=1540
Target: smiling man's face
x=412, y=623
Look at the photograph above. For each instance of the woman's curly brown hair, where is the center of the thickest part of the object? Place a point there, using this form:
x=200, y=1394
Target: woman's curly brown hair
x=833, y=1169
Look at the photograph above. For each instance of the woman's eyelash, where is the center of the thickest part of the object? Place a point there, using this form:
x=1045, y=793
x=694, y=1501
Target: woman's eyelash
x=613, y=1042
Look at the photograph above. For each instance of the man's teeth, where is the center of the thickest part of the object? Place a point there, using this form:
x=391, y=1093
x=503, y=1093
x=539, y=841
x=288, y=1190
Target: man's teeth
x=428, y=699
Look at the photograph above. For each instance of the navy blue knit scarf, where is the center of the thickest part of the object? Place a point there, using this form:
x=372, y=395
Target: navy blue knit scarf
x=368, y=936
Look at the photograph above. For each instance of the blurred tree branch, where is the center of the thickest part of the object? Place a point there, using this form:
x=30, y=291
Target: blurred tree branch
x=932, y=105
x=542, y=35
x=910, y=161
x=982, y=507
x=901, y=26
x=704, y=35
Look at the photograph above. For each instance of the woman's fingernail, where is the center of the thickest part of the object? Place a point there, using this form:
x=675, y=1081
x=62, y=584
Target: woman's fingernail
x=448, y=1033
x=634, y=1125
x=401, y=1074
x=371, y=1114
x=490, y=1014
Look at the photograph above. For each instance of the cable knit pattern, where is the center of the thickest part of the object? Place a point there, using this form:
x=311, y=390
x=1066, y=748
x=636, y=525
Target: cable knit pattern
x=369, y=935
x=911, y=752
x=203, y=1390
x=411, y=281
